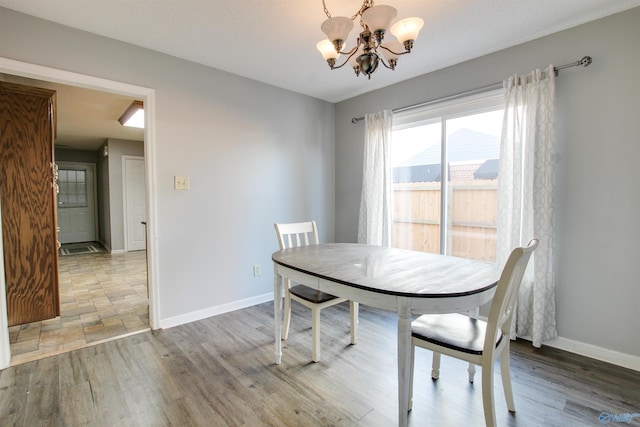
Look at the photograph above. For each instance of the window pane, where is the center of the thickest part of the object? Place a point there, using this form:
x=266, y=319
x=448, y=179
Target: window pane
x=473, y=148
x=416, y=160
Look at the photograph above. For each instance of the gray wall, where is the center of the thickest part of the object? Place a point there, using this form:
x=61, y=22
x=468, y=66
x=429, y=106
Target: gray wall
x=82, y=156
x=255, y=155
x=104, y=204
x=597, y=132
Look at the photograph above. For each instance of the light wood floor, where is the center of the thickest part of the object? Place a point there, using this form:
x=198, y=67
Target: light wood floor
x=102, y=296
x=220, y=372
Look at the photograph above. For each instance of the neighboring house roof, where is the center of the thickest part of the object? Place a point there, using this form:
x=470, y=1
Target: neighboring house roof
x=488, y=170
x=422, y=173
x=464, y=145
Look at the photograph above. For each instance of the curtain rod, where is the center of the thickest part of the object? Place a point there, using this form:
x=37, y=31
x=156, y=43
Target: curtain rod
x=584, y=62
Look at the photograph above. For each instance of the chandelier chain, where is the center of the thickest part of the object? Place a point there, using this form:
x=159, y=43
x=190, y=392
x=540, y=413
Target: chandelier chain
x=366, y=4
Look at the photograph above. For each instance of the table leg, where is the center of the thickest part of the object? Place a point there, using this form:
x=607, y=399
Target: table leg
x=404, y=360
x=277, y=314
x=354, y=309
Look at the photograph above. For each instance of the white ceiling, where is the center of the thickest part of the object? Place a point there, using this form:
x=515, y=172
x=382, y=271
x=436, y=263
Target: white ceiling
x=273, y=41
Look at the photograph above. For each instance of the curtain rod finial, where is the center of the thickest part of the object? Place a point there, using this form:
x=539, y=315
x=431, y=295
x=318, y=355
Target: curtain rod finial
x=586, y=61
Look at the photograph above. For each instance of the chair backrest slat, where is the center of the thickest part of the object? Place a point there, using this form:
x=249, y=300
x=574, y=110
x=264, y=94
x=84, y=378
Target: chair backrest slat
x=297, y=234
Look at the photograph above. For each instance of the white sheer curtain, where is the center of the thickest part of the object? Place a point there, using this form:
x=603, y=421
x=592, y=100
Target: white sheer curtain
x=374, y=227
x=526, y=197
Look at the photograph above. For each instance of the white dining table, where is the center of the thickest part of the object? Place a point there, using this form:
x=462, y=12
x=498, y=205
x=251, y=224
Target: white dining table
x=409, y=283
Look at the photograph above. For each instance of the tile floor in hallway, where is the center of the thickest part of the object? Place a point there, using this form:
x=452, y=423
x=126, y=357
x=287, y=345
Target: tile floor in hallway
x=102, y=296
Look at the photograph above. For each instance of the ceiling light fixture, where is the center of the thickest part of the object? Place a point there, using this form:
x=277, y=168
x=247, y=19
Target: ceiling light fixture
x=133, y=116
x=369, y=51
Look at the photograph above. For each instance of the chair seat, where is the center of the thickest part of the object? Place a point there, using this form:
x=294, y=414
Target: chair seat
x=454, y=331
x=312, y=295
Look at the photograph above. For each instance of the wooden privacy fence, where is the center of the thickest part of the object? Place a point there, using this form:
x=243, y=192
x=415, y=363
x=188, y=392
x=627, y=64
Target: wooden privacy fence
x=471, y=217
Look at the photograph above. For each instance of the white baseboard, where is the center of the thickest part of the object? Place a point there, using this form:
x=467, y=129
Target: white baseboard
x=599, y=353
x=117, y=251
x=624, y=360
x=214, y=311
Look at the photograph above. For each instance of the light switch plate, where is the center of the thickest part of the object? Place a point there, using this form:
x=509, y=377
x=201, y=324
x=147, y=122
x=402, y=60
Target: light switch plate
x=181, y=182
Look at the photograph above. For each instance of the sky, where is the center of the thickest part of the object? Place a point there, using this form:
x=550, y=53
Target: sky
x=410, y=141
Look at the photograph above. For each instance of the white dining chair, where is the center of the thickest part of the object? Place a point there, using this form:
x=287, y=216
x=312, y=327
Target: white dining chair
x=477, y=341
x=303, y=234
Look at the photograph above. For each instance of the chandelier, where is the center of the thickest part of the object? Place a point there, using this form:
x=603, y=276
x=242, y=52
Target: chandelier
x=369, y=51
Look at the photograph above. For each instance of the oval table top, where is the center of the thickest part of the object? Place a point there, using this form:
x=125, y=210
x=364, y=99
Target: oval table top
x=392, y=271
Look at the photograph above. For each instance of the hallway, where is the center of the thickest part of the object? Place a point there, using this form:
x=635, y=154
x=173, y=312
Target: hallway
x=102, y=297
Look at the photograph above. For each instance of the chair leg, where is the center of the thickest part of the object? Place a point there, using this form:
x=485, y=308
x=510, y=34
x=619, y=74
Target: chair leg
x=287, y=313
x=315, y=333
x=506, y=380
x=487, y=394
x=411, y=366
x=354, y=306
x=435, y=366
x=473, y=313
x=472, y=372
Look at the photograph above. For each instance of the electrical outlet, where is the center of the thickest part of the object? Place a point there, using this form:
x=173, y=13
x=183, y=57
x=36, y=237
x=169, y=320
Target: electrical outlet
x=256, y=270
x=181, y=182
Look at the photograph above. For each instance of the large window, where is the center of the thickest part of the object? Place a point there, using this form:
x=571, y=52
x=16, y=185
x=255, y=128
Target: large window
x=445, y=173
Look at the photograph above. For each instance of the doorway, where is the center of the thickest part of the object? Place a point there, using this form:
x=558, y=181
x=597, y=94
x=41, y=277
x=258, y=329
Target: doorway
x=16, y=68
x=76, y=203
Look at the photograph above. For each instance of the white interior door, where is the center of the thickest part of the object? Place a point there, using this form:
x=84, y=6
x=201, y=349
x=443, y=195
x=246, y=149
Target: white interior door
x=134, y=202
x=76, y=202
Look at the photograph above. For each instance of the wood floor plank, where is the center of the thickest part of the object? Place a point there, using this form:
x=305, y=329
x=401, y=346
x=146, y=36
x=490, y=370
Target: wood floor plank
x=14, y=389
x=76, y=405
x=43, y=398
x=220, y=372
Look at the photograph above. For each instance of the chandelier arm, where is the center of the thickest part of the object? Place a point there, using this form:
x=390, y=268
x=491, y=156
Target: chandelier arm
x=335, y=67
x=351, y=53
x=381, y=59
x=395, y=53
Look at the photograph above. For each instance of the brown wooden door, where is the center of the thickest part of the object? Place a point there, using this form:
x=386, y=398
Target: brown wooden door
x=28, y=203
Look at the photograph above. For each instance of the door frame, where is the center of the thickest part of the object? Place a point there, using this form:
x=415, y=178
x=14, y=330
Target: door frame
x=39, y=72
x=69, y=165
x=5, y=350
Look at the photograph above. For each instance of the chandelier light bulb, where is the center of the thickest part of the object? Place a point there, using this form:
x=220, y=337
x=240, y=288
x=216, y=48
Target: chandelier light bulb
x=407, y=29
x=326, y=49
x=379, y=18
x=337, y=29
x=391, y=55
